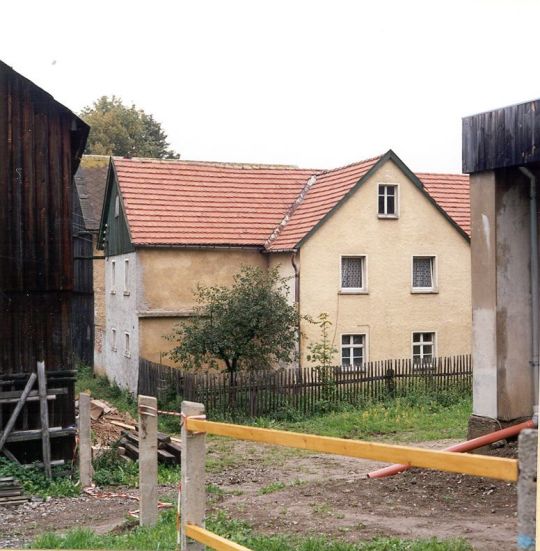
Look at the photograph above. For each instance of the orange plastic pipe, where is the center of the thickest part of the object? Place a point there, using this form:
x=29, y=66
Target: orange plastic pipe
x=461, y=447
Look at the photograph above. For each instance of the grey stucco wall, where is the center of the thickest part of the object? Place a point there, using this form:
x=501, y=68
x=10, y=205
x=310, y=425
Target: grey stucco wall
x=121, y=365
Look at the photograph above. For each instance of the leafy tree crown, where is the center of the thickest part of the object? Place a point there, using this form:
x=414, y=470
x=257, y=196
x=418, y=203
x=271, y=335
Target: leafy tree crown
x=249, y=325
x=124, y=131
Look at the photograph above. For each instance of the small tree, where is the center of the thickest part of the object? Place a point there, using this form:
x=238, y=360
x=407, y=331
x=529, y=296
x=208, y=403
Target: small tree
x=247, y=326
x=321, y=353
x=124, y=131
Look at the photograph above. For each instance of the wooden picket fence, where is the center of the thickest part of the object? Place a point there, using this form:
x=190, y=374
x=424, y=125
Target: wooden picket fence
x=308, y=389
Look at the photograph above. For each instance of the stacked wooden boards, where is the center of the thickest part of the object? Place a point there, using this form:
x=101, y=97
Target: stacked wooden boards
x=168, y=449
x=11, y=491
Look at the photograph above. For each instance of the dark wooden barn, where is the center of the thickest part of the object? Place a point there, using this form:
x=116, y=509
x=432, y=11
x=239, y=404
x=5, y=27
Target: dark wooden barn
x=88, y=301
x=41, y=143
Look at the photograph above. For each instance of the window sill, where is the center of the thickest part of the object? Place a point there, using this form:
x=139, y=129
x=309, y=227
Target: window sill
x=114, y=349
x=353, y=292
x=424, y=291
x=127, y=355
x=388, y=216
x=127, y=293
x=113, y=292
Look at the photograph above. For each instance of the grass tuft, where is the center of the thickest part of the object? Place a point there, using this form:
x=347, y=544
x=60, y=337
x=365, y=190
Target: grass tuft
x=163, y=537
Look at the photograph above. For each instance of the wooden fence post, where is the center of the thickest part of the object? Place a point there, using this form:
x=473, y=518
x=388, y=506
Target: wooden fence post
x=85, y=447
x=390, y=382
x=193, y=494
x=44, y=414
x=148, y=464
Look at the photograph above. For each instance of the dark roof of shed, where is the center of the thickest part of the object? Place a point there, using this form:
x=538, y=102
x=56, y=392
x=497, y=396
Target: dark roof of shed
x=502, y=138
x=91, y=180
x=79, y=130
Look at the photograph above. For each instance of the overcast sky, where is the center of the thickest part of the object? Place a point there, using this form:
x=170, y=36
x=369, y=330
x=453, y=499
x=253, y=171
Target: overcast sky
x=316, y=84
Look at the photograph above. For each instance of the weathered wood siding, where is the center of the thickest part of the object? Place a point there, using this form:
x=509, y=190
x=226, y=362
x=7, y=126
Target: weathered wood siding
x=504, y=137
x=40, y=146
x=82, y=304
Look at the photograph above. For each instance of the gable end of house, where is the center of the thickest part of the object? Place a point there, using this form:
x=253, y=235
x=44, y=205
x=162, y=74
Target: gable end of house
x=388, y=156
x=114, y=234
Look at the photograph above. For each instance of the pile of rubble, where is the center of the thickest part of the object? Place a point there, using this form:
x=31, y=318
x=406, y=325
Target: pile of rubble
x=108, y=423
x=111, y=428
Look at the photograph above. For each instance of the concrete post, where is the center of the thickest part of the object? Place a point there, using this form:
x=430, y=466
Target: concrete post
x=148, y=462
x=527, y=489
x=193, y=496
x=85, y=444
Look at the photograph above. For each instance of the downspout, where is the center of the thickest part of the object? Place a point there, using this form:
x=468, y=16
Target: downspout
x=296, y=267
x=533, y=214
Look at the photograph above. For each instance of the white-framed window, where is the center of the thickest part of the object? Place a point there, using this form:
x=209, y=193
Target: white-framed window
x=126, y=277
x=424, y=274
x=388, y=201
x=354, y=274
x=113, y=277
x=423, y=347
x=117, y=206
x=113, y=340
x=127, y=349
x=353, y=351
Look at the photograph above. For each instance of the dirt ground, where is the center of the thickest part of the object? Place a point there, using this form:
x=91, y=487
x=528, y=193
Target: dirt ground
x=278, y=490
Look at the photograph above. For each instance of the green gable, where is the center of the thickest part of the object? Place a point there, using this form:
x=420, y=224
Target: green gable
x=114, y=235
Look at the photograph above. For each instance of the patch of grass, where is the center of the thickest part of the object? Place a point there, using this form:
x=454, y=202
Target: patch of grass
x=214, y=489
x=405, y=419
x=99, y=387
x=163, y=537
x=221, y=455
x=111, y=470
x=35, y=482
x=273, y=487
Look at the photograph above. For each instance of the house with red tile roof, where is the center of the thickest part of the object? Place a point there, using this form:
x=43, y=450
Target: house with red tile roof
x=382, y=250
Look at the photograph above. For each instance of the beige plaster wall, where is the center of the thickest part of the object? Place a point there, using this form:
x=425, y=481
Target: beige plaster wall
x=167, y=279
x=282, y=261
x=389, y=312
x=99, y=309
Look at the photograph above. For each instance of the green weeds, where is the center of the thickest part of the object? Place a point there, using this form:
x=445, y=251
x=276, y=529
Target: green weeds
x=163, y=537
x=35, y=483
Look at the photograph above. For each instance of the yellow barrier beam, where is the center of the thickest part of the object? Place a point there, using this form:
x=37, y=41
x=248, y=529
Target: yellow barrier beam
x=476, y=465
x=212, y=540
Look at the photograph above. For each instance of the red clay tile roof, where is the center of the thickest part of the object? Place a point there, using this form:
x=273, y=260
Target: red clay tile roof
x=325, y=193
x=453, y=193
x=197, y=203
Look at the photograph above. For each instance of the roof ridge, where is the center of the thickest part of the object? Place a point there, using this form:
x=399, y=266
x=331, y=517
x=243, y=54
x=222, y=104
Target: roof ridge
x=330, y=170
x=460, y=174
x=225, y=164
x=312, y=180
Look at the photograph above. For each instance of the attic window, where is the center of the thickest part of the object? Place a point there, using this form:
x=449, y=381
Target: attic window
x=388, y=201
x=117, y=207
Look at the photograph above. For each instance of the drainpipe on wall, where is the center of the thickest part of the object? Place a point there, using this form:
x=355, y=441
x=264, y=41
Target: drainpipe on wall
x=534, y=284
x=297, y=304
